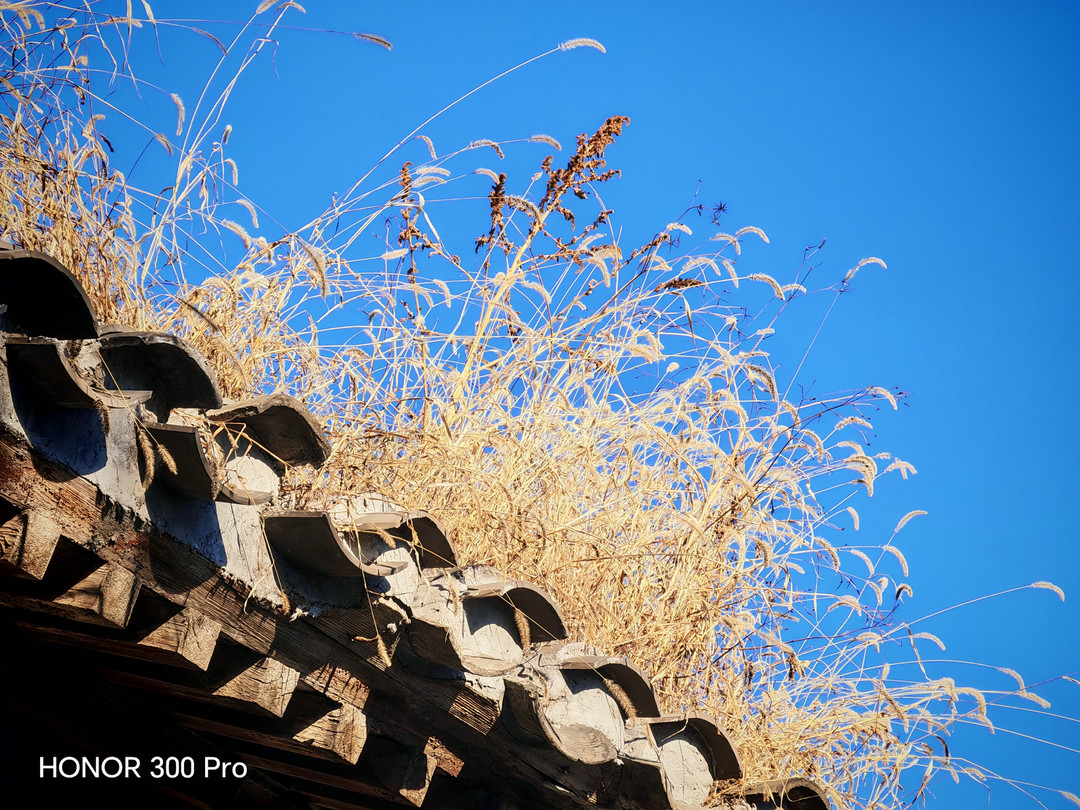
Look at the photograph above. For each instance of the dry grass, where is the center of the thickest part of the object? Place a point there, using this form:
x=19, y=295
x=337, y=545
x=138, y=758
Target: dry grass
x=597, y=419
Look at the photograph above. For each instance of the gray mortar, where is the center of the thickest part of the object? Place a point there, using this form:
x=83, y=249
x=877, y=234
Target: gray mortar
x=479, y=635
x=7, y=407
x=229, y=535
x=249, y=473
x=405, y=583
x=487, y=636
x=638, y=744
x=686, y=767
x=578, y=697
x=491, y=688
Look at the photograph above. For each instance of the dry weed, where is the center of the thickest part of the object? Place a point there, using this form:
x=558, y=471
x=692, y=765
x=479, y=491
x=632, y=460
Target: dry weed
x=597, y=419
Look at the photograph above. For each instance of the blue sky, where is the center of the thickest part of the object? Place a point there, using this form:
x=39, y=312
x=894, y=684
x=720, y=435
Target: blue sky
x=941, y=137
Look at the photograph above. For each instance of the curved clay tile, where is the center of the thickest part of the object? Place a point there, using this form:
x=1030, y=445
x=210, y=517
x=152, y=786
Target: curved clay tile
x=476, y=628
x=668, y=763
x=42, y=364
x=420, y=528
x=724, y=760
x=486, y=638
x=372, y=514
x=581, y=717
x=628, y=677
x=482, y=627
x=195, y=476
x=250, y=476
x=790, y=794
x=177, y=374
x=545, y=619
x=694, y=753
x=281, y=424
x=583, y=725
x=566, y=701
x=309, y=541
x=43, y=298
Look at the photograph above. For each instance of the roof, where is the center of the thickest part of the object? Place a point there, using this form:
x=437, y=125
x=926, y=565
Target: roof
x=160, y=600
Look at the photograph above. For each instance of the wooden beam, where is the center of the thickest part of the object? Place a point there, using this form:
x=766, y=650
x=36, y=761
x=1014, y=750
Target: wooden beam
x=380, y=711
x=55, y=704
x=74, y=583
x=268, y=683
x=189, y=636
x=445, y=759
x=404, y=769
x=11, y=540
x=157, y=631
x=236, y=678
x=417, y=778
x=342, y=745
x=27, y=542
x=342, y=731
x=106, y=596
x=338, y=684
x=362, y=628
x=312, y=726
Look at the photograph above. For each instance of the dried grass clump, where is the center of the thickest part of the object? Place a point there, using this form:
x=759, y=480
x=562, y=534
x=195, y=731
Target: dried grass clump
x=598, y=419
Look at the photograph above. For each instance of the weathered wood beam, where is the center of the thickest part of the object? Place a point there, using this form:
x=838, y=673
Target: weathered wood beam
x=189, y=636
x=338, y=684
x=380, y=712
x=445, y=759
x=106, y=596
x=404, y=769
x=268, y=683
x=157, y=631
x=235, y=678
x=27, y=543
x=417, y=777
x=372, y=629
x=312, y=726
x=59, y=576
x=341, y=731
x=338, y=736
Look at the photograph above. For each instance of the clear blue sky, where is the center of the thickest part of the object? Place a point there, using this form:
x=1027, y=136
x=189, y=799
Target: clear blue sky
x=942, y=137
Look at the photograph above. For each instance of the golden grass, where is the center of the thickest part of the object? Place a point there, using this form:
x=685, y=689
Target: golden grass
x=592, y=417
